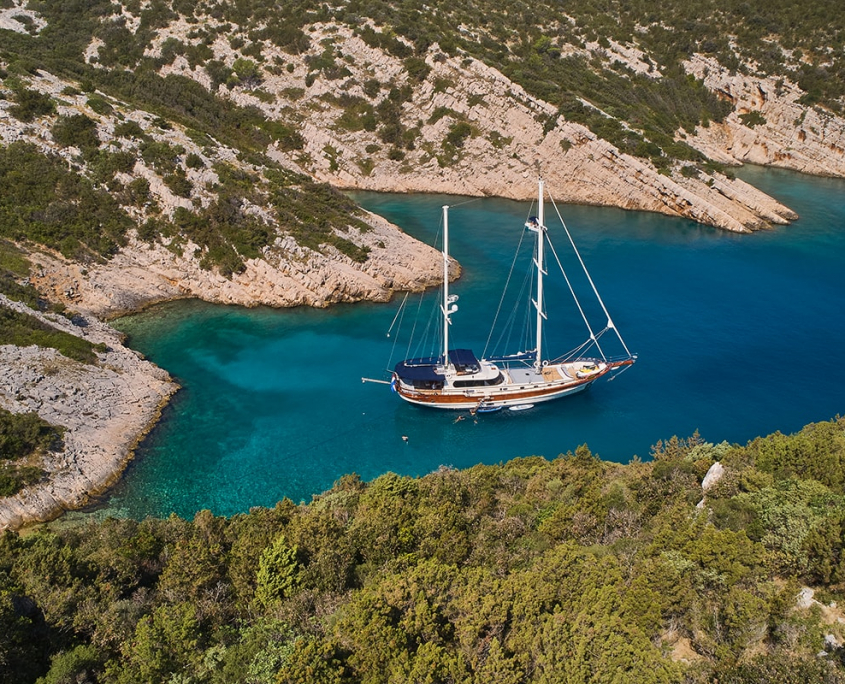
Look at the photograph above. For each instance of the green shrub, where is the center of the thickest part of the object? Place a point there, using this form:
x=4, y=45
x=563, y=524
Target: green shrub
x=178, y=183
x=129, y=129
x=23, y=330
x=752, y=119
x=76, y=130
x=25, y=434
x=100, y=105
x=13, y=478
x=457, y=135
x=43, y=201
x=31, y=104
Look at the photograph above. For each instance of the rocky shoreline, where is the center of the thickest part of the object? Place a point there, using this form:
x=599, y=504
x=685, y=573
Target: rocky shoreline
x=286, y=275
x=108, y=408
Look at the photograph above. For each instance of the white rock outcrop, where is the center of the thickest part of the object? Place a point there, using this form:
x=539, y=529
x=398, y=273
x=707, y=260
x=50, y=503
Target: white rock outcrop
x=105, y=407
x=790, y=135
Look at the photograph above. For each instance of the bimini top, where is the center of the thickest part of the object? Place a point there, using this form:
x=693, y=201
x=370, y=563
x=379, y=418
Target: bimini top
x=464, y=361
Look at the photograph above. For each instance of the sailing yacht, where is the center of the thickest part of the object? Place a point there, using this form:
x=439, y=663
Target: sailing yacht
x=458, y=379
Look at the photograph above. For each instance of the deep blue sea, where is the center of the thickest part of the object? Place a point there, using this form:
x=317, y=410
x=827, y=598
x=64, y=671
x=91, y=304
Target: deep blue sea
x=737, y=336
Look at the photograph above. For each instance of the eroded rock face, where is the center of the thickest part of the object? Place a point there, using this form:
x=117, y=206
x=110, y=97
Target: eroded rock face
x=286, y=275
x=510, y=146
x=790, y=135
x=514, y=137
x=106, y=408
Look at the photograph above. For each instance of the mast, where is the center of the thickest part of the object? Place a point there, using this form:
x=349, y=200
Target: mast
x=540, y=265
x=448, y=307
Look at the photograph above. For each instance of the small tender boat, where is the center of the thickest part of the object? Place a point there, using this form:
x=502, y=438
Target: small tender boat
x=458, y=379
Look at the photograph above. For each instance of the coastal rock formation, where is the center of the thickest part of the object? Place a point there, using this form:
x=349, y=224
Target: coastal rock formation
x=769, y=125
x=510, y=145
x=509, y=137
x=106, y=408
x=286, y=275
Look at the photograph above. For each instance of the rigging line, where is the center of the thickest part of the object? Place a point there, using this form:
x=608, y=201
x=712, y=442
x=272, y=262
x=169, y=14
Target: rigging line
x=417, y=317
x=504, y=293
x=414, y=327
x=575, y=297
x=399, y=311
x=589, y=278
x=469, y=201
x=586, y=344
x=507, y=330
x=616, y=374
x=396, y=336
x=572, y=352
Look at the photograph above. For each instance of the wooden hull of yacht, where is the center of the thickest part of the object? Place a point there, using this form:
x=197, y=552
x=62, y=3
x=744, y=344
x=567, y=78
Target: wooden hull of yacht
x=509, y=394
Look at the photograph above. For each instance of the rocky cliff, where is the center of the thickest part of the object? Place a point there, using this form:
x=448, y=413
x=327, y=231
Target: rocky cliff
x=508, y=146
x=286, y=275
x=769, y=124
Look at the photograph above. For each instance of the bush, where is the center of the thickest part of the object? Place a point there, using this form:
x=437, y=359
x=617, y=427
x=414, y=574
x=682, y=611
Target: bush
x=25, y=434
x=31, y=104
x=458, y=133
x=129, y=129
x=178, y=183
x=43, y=201
x=13, y=478
x=23, y=330
x=752, y=119
x=76, y=131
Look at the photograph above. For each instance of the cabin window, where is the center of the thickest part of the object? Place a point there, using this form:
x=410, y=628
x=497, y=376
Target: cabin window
x=498, y=380
x=428, y=384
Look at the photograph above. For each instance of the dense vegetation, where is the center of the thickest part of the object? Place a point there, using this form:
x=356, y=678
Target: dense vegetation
x=24, y=329
x=23, y=436
x=570, y=570
x=44, y=201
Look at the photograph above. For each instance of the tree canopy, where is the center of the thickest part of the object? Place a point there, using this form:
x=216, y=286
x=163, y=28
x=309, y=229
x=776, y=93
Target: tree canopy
x=565, y=570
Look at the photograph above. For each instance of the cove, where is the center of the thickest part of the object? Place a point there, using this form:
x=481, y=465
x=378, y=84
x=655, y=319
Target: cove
x=737, y=336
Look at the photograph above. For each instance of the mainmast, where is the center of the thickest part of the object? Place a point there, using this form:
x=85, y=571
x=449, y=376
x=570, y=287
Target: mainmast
x=539, y=262
x=448, y=307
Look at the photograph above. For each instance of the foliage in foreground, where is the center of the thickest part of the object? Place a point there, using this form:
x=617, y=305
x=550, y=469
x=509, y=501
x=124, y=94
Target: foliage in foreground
x=570, y=570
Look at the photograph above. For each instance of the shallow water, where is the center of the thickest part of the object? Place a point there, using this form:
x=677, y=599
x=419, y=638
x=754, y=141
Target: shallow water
x=737, y=336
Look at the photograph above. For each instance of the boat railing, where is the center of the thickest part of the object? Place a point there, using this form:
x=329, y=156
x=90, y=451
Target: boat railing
x=524, y=356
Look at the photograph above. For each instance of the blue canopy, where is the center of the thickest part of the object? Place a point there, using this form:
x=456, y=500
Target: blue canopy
x=464, y=359
x=424, y=368
x=424, y=373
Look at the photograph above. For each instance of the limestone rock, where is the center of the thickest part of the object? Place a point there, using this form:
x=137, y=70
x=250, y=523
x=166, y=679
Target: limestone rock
x=106, y=408
x=714, y=474
x=790, y=135
x=286, y=275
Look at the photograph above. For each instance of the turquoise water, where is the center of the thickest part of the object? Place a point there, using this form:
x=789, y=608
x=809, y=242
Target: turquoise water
x=737, y=336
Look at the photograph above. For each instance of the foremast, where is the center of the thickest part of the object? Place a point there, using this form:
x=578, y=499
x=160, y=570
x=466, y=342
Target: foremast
x=538, y=225
x=448, y=307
